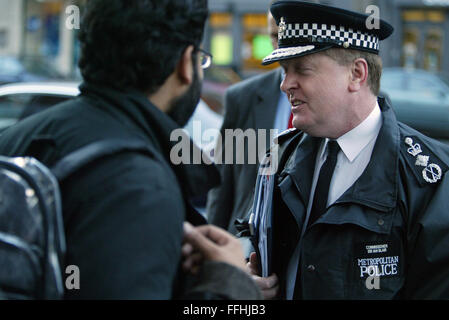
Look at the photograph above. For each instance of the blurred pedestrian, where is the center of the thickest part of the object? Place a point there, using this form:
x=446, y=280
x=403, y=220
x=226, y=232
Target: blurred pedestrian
x=141, y=63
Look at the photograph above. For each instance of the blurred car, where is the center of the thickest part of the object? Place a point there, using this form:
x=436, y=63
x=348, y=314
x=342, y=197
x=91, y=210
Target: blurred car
x=419, y=98
x=19, y=100
x=13, y=69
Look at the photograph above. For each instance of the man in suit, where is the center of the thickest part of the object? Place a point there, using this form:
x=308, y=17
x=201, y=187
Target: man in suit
x=256, y=103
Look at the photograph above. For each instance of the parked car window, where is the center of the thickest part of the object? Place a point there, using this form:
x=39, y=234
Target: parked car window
x=424, y=85
x=445, y=78
x=423, y=103
x=11, y=107
x=393, y=81
x=15, y=107
x=10, y=66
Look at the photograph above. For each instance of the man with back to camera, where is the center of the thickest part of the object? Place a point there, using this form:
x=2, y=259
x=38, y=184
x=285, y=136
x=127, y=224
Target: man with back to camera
x=359, y=200
x=141, y=64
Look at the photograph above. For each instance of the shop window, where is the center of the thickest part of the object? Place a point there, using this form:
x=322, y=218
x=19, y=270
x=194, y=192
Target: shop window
x=423, y=15
x=256, y=43
x=222, y=48
x=221, y=41
x=423, y=39
x=433, y=49
x=410, y=48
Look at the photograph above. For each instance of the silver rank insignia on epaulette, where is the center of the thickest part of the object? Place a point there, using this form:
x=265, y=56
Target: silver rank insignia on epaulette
x=414, y=149
x=282, y=27
x=432, y=173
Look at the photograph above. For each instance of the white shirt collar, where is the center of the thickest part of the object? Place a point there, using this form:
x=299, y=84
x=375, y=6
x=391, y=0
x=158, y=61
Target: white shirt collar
x=354, y=141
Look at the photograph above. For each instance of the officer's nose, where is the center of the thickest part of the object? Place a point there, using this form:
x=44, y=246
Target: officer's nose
x=288, y=83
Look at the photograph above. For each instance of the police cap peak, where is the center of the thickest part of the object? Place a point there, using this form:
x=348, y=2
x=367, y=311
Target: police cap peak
x=306, y=28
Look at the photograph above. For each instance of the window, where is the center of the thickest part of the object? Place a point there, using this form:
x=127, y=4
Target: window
x=15, y=107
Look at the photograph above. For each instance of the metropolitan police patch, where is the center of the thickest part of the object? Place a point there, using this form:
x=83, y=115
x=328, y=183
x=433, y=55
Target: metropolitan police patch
x=377, y=259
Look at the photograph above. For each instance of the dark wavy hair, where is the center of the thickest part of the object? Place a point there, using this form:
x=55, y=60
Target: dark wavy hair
x=137, y=43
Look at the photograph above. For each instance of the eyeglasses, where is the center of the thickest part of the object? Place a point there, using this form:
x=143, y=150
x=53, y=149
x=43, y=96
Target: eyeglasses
x=206, y=58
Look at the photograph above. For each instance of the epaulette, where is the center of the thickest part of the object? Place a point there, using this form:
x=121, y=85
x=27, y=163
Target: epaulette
x=427, y=167
x=285, y=135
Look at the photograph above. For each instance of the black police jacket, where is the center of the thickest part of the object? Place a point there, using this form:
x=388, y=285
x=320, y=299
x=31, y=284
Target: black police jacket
x=386, y=237
x=123, y=215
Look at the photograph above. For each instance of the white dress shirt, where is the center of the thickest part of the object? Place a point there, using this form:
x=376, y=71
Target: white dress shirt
x=356, y=148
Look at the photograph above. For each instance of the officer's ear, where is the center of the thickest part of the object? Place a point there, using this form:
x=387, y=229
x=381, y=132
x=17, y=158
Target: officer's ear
x=359, y=75
x=184, y=68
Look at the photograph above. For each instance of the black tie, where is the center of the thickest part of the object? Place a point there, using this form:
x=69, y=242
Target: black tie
x=320, y=198
x=324, y=180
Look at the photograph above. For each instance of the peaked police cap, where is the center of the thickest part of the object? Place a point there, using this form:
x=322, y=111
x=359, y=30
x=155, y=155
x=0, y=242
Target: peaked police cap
x=306, y=28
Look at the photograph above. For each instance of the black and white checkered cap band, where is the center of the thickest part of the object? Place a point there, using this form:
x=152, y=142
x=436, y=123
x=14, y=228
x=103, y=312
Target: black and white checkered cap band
x=329, y=33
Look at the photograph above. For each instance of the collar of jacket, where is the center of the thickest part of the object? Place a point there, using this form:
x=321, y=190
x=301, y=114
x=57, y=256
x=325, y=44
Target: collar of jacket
x=137, y=113
x=377, y=187
x=273, y=79
x=266, y=102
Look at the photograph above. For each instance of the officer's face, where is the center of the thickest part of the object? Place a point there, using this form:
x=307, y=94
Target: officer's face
x=317, y=88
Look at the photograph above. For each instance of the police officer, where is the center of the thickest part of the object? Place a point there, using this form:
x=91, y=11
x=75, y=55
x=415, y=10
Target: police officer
x=360, y=205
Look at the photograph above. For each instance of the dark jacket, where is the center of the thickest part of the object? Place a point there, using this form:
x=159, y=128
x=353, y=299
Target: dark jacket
x=250, y=104
x=391, y=225
x=123, y=214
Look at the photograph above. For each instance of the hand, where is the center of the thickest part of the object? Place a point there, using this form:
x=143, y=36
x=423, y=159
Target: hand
x=209, y=242
x=269, y=285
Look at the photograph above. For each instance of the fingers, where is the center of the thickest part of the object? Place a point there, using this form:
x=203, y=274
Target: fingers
x=268, y=282
x=269, y=286
x=192, y=262
x=252, y=266
x=213, y=244
x=197, y=240
x=217, y=235
x=186, y=249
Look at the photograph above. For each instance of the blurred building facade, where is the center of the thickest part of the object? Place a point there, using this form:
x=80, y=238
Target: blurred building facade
x=36, y=31
x=236, y=33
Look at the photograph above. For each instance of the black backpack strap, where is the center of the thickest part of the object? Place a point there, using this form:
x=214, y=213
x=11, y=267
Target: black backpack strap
x=91, y=152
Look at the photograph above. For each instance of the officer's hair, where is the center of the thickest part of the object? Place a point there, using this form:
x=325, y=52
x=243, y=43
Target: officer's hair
x=137, y=44
x=345, y=57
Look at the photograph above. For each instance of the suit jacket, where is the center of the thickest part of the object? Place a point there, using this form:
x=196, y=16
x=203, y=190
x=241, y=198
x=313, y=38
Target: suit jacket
x=250, y=104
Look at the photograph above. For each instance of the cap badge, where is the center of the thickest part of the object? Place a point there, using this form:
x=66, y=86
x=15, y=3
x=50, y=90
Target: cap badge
x=282, y=27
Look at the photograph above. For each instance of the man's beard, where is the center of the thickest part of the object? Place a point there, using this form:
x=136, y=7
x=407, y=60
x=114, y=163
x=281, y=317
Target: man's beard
x=182, y=108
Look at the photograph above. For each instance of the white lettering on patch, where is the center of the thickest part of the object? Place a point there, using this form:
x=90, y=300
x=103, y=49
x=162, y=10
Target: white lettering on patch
x=378, y=267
